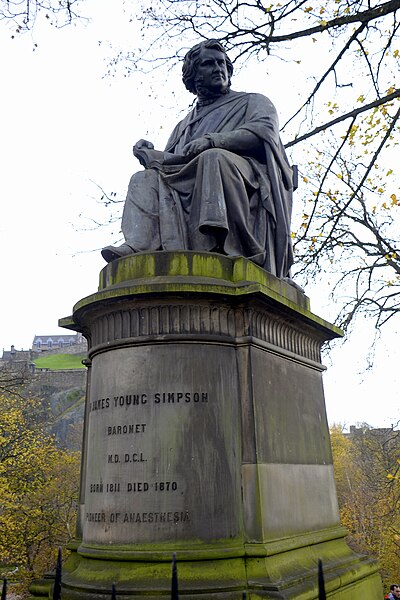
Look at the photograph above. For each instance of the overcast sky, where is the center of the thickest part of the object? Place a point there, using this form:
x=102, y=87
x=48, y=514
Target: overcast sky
x=65, y=128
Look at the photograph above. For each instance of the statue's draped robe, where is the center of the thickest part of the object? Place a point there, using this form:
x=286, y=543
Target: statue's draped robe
x=242, y=202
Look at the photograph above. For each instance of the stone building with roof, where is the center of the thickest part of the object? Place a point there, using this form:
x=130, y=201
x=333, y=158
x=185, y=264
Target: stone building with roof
x=50, y=344
x=20, y=360
x=43, y=343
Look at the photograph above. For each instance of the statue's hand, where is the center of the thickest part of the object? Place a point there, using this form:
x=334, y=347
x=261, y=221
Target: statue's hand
x=150, y=158
x=143, y=144
x=197, y=146
x=144, y=151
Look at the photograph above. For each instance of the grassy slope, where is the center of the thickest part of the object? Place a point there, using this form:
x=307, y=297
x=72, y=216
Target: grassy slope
x=60, y=361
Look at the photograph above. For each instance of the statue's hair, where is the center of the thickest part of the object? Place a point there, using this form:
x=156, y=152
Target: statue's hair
x=191, y=61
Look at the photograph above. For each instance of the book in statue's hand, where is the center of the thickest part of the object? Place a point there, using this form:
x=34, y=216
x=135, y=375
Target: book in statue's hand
x=153, y=159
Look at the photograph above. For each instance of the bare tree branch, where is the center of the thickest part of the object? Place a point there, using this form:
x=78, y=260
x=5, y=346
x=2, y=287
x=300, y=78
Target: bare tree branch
x=362, y=17
x=349, y=115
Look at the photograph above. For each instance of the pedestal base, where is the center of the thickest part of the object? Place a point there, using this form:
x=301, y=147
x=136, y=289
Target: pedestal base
x=206, y=436
x=290, y=574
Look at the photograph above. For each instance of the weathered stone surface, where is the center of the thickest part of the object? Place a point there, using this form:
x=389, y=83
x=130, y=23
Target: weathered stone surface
x=206, y=435
x=163, y=446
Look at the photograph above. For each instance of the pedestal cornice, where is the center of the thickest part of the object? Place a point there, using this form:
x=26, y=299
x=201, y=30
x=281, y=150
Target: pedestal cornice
x=168, y=288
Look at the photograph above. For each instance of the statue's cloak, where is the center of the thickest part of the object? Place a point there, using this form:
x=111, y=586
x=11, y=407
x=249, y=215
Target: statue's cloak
x=247, y=196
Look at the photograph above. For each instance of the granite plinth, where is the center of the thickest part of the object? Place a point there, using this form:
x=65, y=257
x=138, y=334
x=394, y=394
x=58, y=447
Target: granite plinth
x=206, y=435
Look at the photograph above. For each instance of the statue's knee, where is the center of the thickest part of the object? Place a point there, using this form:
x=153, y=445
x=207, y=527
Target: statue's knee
x=147, y=177
x=214, y=155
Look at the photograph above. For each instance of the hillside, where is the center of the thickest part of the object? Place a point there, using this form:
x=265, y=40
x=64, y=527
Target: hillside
x=57, y=362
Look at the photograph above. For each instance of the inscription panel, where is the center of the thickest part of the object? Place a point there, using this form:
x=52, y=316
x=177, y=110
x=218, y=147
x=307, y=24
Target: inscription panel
x=163, y=445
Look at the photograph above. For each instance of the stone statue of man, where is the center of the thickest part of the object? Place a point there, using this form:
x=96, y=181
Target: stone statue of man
x=223, y=183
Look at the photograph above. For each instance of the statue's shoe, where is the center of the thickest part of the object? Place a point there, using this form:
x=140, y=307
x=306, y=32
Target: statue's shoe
x=110, y=253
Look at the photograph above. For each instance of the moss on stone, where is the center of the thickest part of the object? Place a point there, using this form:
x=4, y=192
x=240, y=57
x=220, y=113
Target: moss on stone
x=290, y=574
x=183, y=273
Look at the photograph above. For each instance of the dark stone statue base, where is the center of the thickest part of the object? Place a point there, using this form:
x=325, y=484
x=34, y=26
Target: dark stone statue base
x=206, y=436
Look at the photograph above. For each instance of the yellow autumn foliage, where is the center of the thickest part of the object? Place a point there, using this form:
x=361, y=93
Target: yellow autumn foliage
x=38, y=489
x=369, y=500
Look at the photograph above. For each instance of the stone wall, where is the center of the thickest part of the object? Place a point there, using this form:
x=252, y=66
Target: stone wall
x=58, y=380
x=77, y=349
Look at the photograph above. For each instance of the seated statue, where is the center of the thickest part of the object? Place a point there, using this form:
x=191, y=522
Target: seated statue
x=223, y=183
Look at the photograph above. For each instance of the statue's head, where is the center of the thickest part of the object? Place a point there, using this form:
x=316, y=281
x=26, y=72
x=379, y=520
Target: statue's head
x=192, y=58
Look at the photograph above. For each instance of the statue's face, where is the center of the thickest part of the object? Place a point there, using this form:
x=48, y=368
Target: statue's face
x=211, y=71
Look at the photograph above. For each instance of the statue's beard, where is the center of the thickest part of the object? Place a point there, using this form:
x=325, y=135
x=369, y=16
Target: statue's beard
x=205, y=93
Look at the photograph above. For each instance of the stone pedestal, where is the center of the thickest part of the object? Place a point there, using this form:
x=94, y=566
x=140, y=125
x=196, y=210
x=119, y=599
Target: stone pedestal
x=206, y=435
